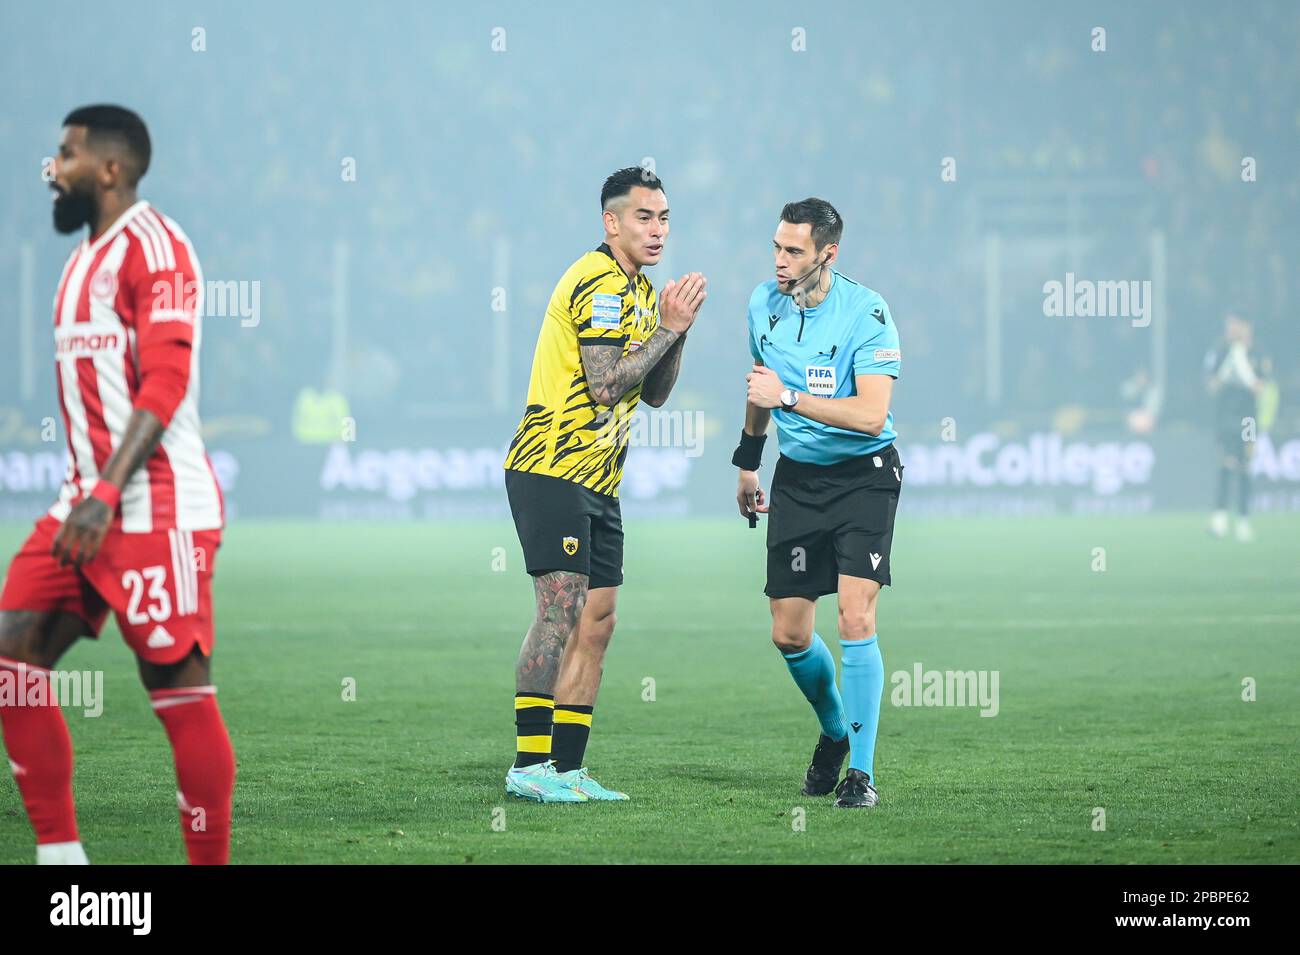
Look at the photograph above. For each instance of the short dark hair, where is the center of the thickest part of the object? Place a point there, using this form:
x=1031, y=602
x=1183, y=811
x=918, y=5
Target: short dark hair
x=116, y=123
x=827, y=226
x=625, y=180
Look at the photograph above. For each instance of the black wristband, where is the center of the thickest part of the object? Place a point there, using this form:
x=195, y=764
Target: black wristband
x=749, y=455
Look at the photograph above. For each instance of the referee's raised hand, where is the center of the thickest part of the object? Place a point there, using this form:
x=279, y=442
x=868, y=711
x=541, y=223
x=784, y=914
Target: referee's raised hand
x=681, y=301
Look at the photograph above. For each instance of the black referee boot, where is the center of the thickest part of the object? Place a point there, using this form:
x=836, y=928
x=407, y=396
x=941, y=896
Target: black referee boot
x=824, y=771
x=856, y=792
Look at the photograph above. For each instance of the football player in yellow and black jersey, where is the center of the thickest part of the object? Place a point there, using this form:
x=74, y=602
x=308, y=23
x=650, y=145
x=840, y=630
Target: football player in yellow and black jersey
x=607, y=343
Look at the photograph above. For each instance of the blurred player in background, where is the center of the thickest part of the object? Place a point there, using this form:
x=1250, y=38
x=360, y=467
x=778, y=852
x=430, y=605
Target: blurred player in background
x=825, y=355
x=606, y=343
x=1145, y=398
x=1239, y=381
x=138, y=521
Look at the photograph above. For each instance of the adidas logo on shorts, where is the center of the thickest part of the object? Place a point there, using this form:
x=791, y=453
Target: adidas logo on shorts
x=160, y=638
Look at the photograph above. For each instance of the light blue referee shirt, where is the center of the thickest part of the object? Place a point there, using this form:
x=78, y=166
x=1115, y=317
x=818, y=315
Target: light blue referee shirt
x=819, y=351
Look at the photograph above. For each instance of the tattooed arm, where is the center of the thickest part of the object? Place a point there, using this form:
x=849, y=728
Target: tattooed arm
x=610, y=376
x=659, y=383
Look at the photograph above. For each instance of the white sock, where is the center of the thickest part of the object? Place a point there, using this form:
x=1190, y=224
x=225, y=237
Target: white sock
x=61, y=853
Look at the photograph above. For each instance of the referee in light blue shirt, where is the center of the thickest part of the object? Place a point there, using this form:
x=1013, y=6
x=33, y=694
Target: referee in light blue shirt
x=826, y=355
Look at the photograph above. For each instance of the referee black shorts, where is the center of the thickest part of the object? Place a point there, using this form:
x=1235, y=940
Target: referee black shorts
x=565, y=526
x=827, y=520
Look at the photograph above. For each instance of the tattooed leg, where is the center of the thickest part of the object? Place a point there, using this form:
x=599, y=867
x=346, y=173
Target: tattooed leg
x=561, y=595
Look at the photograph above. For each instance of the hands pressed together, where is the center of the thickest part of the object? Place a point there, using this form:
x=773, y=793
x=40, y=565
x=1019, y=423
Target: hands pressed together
x=680, y=302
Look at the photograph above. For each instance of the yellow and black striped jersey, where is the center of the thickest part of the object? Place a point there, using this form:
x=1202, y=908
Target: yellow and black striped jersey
x=565, y=432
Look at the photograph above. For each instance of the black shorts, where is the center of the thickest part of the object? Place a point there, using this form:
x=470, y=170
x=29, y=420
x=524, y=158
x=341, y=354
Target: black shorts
x=565, y=526
x=827, y=520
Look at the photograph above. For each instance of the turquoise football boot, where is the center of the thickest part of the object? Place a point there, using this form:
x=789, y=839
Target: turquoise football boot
x=580, y=781
x=541, y=783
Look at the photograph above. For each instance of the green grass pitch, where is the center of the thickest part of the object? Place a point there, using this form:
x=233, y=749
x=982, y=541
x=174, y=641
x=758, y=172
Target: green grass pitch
x=1119, y=690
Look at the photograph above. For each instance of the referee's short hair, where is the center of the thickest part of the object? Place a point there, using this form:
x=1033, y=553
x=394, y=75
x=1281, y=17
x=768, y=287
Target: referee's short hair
x=118, y=125
x=827, y=226
x=623, y=181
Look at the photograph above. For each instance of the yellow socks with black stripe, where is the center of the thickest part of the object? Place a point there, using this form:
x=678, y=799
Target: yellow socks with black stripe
x=533, y=728
x=572, y=727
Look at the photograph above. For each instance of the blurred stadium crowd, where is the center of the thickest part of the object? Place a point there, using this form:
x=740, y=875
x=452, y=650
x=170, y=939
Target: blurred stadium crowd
x=465, y=154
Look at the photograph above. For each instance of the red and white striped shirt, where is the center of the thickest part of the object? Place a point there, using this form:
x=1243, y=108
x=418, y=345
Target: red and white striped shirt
x=126, y=335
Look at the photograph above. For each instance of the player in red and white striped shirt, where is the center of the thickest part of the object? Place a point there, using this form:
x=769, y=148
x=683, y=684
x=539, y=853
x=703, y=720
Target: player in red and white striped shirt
x=138, y=521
